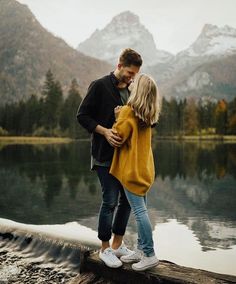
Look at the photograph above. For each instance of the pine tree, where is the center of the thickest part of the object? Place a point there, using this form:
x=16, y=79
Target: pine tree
x=190, y=117
x=181, y=108
x=30, y=115
x=53, y=98
x=68, y=117
x=173, y=117
x=162, y=125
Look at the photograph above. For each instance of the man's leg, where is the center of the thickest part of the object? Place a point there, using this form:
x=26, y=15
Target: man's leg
x=110, y=192
x=117, y=241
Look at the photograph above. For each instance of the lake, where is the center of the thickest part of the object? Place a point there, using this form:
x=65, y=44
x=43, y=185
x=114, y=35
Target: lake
x=191, y=203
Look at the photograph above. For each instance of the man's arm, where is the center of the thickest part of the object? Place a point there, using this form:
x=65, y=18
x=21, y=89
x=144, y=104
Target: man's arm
x=87, y=109
x=85, y=117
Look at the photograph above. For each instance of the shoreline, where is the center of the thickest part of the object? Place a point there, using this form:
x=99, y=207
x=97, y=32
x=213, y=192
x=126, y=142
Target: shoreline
x=65, y=140
x=34, y=140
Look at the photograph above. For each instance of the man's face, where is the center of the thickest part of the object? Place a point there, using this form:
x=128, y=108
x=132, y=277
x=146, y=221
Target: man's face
x=127, y=73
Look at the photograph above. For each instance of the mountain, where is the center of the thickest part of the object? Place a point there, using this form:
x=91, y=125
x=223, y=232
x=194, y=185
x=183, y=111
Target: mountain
x=124, y=30
x=213, y=41
x=207, y=67
x=214, y=79
x=27, y=51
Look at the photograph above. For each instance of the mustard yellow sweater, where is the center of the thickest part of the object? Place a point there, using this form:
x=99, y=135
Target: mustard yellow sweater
x=133, y=163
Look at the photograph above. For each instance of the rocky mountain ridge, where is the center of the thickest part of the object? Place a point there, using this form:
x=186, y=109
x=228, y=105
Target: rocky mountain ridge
x=28, y=51
x=205, y=68
x=124, y=30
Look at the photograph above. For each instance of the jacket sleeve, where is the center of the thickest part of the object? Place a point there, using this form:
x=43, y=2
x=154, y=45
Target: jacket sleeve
x=123, y=126
x=87, y=108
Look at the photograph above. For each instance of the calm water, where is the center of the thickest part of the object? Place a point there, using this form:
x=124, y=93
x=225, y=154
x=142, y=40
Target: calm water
x=192, y=202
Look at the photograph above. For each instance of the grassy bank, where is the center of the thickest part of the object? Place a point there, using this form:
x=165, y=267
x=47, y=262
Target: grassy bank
x=33, y=140
x=60, y=140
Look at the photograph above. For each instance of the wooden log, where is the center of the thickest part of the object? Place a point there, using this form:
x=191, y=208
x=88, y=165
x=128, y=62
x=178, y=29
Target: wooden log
x=166, y=272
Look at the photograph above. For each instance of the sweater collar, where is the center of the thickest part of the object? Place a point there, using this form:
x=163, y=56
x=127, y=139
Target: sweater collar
x=114, y=79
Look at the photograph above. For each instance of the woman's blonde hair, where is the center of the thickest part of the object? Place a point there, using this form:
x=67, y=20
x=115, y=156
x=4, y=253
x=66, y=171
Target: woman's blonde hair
x=145, y=99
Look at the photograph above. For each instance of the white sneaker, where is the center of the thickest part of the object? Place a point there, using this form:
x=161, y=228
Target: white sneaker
x=109, y=258
x=145, y=263
x=122, y=251
x=134, y=256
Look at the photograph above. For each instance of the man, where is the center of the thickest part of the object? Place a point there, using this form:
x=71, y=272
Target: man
x=96, y=114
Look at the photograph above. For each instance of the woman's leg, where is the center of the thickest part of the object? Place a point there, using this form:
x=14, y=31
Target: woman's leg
x=139, y=241
x=138, y=206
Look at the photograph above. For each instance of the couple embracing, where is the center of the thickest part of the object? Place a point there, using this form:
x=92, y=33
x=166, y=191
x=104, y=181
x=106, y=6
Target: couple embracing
x=119, y=110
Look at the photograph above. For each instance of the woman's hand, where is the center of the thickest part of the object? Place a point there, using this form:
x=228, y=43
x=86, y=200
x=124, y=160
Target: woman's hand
x=117, y=111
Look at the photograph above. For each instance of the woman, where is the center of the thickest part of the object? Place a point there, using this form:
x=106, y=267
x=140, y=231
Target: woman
x=133, y=163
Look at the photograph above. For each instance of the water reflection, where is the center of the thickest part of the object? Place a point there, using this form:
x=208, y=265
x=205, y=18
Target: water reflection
x=195, y=185
x=177, y=243
x=47, y=184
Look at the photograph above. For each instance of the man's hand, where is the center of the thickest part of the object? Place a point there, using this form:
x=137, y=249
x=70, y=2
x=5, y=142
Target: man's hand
x=111, y=135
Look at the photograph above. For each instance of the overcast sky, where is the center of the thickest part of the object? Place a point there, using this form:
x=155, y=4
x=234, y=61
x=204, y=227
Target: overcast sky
x=174, y=24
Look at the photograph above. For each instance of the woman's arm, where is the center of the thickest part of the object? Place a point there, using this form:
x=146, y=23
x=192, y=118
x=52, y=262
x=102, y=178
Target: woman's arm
x=123, y=124
x=117, y=111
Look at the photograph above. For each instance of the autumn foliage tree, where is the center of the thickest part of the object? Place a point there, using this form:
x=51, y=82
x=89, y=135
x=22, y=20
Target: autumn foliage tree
x=221, y=117
x=232, y=117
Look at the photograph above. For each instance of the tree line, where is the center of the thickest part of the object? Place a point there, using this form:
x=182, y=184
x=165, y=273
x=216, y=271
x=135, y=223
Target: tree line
x=54, y=115
x=49, y=115
x=197, y=117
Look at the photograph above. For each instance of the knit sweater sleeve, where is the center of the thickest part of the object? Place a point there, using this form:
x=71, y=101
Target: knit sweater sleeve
x=87, y=108
x=123, y=125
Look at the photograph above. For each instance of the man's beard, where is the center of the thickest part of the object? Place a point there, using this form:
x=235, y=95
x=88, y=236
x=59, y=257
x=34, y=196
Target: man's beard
x=126, y=80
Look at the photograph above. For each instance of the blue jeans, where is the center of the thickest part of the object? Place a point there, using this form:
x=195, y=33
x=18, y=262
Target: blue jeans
x=139, y=208
x=112, y=195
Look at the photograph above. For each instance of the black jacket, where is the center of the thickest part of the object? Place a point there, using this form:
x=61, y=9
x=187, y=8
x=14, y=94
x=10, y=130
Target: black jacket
x=97, y=107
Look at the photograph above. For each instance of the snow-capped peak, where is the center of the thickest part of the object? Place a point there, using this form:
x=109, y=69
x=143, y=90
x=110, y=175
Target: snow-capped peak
x=213, y=40
x=214, y=31
x=125, y=17
x=124, y=30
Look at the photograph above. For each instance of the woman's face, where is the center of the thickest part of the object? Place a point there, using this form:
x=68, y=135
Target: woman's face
x=134, y=82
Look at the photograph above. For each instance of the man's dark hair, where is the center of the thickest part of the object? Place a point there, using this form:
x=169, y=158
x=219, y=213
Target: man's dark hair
x=130, y=57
